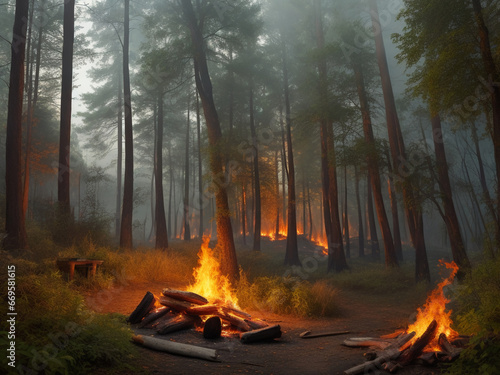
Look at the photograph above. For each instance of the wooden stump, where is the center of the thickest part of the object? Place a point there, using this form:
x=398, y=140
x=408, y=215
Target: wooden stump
x=212, y=328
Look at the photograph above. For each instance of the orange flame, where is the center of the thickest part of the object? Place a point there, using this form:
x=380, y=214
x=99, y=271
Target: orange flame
x=209, y=282
x=435, y=309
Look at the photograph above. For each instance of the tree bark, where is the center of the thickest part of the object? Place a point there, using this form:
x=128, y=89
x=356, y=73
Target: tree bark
x=292, y=252
x=161, y=225
x=258, y=215
x=491, y=70
x=185, y=215
x=229, y=264
x=412, y=207
x=200, y=167
x=119, y=158
x=371, y=219
x=361, y=232
x=128, y=188
x=347, y=236
x=63, y=183
x=373, y=167
x=14, y=217
x=451, y=219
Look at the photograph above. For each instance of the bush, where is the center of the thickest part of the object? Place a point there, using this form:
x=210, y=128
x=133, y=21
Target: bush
x=478, y=314
x=287, y=296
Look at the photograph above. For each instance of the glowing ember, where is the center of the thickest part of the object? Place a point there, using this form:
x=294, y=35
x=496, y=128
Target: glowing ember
x=209, y=282
x=435, y=309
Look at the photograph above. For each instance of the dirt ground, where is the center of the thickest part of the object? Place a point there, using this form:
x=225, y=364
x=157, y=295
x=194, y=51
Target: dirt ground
x=362, y=315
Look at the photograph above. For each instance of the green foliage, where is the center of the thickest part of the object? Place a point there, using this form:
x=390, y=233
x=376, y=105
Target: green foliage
x=479, y=315
x=287, y=296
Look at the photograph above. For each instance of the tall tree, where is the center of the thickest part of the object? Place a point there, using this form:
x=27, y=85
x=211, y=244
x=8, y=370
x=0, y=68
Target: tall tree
x=185, y=216
x=161, y=225
x=63, y=185
x=229, y=264
x=128, y=188
x=14, y=217
x=258, y=216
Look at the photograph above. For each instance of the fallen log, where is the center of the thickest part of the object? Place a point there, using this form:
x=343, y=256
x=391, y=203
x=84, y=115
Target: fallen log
x=262, y=334
x=212, y=328
x=175, y=304
x=153, y=316
x=396, y=344
x=235, y=321
x=176, y=347
x=177, y=323
x=415, y=350
x=185, y=296
x=146, y=305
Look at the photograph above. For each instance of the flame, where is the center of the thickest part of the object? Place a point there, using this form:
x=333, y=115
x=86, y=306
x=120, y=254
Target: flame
x=209, y=282
x=435, y=309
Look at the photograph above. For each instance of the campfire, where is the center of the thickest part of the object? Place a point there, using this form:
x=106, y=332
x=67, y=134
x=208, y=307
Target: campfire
x=429, y=340
x=209, y=306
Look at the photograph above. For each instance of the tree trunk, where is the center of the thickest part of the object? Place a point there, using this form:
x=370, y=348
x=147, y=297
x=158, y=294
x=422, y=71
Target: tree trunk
x=371, y=219
x=229, y=264
x=200, y=167
x=310, y=211
x=292, y=252
x=347, y=236
x=412, y=206
x=394, y=211
x=284, y=169
x=185, y=215
x=128, y=188
x=243, y=214
x=361, y=232
x=161, y=225
x=170, y=190
x=494, y=76
x=374, y=171
x=63, y=183
x=451, y=219
x=277, y=229
x=14, y=217
x=258, y=218
x=119, y=159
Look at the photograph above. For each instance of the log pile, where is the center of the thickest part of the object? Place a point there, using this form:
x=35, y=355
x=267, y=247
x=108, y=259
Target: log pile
x=176, y=310
x=393, y=353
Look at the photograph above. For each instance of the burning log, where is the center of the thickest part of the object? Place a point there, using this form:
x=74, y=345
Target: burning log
x=177, y=323
x=235, y=321
x=203, y=310
x=416, y=349
x=451, y=351
x=267, y=333
x=146, y=305
x=151, y=318
x=212, y=328
x=239, y=313
x=399, y=342
x=175, y=303
x=185, y=296
x=176, y=348
x=256, y=324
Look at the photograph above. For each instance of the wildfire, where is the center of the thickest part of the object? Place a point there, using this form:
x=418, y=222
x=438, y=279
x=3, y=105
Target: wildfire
x=209, y=282
x=435, y=309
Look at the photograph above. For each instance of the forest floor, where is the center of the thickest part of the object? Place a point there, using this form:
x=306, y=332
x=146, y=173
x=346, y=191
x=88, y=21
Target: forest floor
x=362, y=314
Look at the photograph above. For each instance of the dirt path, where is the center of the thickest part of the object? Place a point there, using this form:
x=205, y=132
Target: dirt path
x=362, y=315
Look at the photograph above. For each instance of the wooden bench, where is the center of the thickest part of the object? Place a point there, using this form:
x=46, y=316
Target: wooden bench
x=68, y=265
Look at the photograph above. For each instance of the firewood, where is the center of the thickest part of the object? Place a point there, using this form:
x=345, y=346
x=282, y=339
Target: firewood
x=212, y=328
x=235, y=321
x=232, y=310
x=427, y=358
x=451, y=351
x=267, y=333
x=256, y=324
x=146, y=305
x=367, y=367
x=185, y=296
x=176, y=347
x=203, y=310
x=354, y=342
x=400, y=341
x=175, y=304
x=177, y=323
x=416, y=349
x=391, y=367
x=153, y=316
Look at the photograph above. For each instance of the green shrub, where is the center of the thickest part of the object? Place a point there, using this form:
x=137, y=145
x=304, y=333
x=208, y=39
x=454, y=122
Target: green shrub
x=478, y=314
